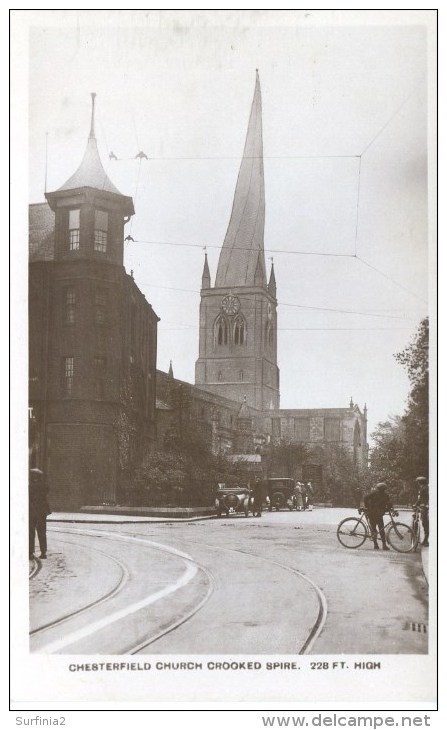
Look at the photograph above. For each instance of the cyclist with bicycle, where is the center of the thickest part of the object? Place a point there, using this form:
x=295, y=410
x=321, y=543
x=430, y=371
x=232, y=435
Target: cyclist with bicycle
x=377, y=502
x=422, y=503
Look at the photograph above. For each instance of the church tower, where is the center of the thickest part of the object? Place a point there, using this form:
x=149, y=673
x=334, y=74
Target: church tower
x=238, y=316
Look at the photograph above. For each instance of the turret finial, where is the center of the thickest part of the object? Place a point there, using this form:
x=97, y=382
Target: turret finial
x=92, y=125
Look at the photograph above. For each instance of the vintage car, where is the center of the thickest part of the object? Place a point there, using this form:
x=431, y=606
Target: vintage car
x=281, y=493
x=232, y=499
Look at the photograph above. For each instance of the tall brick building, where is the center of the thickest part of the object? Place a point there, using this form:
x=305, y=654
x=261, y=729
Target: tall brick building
x=92, y=340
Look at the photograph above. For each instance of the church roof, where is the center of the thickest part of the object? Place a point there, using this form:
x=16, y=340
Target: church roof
x=245, y=234
x=41, y=232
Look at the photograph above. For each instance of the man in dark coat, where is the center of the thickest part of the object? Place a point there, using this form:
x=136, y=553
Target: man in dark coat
x=377, y=502
x=38, y=511
x=422, y=502
x=258, y=497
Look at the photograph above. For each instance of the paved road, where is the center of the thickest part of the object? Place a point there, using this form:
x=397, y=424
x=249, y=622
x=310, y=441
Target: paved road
x=280, y=584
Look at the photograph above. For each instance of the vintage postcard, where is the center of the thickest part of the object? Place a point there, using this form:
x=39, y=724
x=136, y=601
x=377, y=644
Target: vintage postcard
x=224, y=278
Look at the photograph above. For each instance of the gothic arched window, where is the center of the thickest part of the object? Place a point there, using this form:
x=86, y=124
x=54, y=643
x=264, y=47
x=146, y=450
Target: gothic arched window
x=239, y=330
x=269, y=335
x=221, y=331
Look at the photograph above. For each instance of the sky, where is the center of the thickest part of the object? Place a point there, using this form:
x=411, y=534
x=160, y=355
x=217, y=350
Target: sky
x=345, y=144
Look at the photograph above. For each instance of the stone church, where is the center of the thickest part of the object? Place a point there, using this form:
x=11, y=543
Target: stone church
x=237, y=376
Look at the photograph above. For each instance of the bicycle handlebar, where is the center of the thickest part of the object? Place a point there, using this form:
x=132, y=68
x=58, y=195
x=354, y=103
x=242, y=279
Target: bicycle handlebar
x=391, y=512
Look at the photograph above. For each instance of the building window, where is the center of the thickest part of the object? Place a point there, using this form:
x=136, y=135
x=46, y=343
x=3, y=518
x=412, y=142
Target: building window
x=269, y=335
x=239, y=330
x=100, y=306
x=302, y=429
x=221, y=331
x=70, y=305
x=219, y=376
x=332, y=429
x=73, y=229
x=99, y=370
x=67, y=375
x=241, y=375
x=101, y=227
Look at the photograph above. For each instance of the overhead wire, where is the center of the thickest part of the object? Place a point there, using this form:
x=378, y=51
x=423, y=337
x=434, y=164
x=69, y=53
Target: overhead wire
x=284, y=304
x=285, y=251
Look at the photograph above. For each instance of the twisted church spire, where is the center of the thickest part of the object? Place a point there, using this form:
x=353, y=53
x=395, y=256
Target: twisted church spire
x=242, y=254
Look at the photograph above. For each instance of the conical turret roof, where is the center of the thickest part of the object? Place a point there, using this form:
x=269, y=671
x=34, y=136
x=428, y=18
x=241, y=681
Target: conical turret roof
x=90, y=173
x=245, y=235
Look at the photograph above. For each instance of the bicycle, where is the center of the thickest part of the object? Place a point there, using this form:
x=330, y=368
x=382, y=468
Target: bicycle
x=353, y=531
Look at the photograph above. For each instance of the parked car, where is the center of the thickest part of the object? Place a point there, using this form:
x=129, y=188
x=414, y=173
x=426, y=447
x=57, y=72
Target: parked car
x=281, y=493
x=232, y=499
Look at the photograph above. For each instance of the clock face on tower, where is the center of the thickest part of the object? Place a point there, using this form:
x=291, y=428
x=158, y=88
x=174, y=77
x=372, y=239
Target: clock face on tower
x=230, y=304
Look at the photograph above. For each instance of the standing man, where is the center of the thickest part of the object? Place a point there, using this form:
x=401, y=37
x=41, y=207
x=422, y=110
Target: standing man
x=309, y=496
x=38, y=511
x=422, y=502
x=377, y=502
x=258, y=497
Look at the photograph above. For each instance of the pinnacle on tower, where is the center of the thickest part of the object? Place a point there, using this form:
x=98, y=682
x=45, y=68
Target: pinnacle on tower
x=206, y=276
x=244, y=241
x=272, y=282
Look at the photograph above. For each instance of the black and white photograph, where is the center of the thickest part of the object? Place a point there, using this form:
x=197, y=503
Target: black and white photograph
x=225, y=279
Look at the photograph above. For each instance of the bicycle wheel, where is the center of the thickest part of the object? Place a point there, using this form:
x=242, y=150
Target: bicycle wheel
x=400, y=537
x=351, y=532
x=416, y=534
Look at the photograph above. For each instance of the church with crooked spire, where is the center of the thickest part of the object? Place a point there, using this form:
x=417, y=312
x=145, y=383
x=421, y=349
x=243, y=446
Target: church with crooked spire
x=237, y=385
x=238, y=315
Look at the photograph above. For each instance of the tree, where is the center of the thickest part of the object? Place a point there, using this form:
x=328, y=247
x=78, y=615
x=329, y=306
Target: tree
x=343, y=479
x=286, y=459
x=401, y=444
x=415, y=420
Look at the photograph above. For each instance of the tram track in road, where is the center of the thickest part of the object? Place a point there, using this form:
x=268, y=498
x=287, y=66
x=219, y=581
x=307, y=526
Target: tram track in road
x=193, y=567
x=320, y=620
x=124, y=577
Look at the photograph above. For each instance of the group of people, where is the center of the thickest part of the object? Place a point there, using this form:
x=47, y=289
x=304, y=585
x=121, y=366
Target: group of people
x=303, y=496
x=377, y=502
